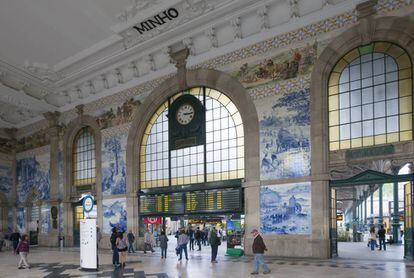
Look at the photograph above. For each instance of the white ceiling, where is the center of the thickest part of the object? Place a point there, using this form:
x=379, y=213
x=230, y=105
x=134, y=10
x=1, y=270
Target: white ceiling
x=55, y=54
x=49, y=31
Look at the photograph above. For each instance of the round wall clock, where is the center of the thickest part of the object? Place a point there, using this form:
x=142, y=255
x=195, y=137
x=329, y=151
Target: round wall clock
x=87, y=203
x=185, y=114
x=186, y=122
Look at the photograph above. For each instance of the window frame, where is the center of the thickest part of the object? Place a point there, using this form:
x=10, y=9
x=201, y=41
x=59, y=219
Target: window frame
x=78, y=182
x=404, y=97
x=204, y=93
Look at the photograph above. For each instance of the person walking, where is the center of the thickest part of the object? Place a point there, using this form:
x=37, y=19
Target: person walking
x=381, y=238
x=197, y=237
x=115, y=254
x=14, y=238
x=22, y=249
x=208, y=234
x=191, y=237
x=122, y=247
x=177, y=235
x=163, y=245
x=182, y=243
x=155, y=238
x=214, y=243
x=98, y=244
x=259, y=248
x=148, y=240
x=204, y=236
x=372, y=238
x=131, y=239
x=98, y=236
x=1, y=240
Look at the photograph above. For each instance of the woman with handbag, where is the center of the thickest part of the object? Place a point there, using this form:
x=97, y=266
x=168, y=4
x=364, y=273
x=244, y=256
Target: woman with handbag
x=122, y=247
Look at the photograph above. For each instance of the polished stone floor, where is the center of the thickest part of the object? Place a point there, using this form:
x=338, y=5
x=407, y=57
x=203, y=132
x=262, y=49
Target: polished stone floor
x=360, y=251
x=50, y=263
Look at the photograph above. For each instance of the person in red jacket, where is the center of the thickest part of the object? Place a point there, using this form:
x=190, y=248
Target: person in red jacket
x=258, y=251
x=23, y=249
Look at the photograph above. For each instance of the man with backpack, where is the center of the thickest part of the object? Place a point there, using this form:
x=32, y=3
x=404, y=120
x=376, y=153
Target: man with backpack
x=214, y=243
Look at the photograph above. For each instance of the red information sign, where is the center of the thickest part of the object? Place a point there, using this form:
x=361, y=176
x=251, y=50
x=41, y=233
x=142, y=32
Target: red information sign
x=152, y=220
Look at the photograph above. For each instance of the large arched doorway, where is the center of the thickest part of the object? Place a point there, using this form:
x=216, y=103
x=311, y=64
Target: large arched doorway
x=352, y=136
x=192, y=184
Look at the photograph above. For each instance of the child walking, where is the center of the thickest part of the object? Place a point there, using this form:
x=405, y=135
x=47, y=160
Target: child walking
x=23, y=249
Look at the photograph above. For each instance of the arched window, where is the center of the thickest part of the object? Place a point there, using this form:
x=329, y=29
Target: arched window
x=84, y=165
x=370, y=97
x=220, y=158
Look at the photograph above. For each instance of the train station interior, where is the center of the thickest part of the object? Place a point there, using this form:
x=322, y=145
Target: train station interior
x=206, y=138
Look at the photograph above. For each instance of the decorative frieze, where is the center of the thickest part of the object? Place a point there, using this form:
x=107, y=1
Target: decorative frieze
x=35, y=140
x=291, y=85
x=116, y=130
x=122, y=115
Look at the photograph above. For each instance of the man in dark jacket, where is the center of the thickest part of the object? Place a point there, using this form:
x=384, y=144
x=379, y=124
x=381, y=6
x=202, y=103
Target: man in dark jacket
x=258, y=251
x=190, y=234
x=381, y=237
x=131, y=239
x=115, y=254
x=214, y=243
x=198, y=238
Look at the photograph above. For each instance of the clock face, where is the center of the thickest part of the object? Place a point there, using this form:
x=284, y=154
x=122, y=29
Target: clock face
x=185, y=114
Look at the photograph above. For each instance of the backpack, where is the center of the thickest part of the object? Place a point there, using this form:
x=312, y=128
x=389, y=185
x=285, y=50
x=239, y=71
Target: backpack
x=122, y=244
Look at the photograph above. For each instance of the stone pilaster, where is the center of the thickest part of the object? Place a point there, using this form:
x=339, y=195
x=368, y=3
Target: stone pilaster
x=51, y=238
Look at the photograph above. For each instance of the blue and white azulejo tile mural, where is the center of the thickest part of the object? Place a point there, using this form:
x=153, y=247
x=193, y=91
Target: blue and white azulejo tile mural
x=114, y=214
x=284, y=135
x=5, y=180
x=21, y=220
x=45, y=222
x=286, y=209
x=33, y=174
x=60, y=176
x=113, y=164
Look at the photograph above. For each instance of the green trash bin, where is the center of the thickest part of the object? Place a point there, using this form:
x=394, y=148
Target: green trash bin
x=234, y=252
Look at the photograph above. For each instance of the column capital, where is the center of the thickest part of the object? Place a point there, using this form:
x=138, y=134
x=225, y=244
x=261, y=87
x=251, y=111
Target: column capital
x=80, y=109
x=52, y=118
x=180, y=59
x=366, y=9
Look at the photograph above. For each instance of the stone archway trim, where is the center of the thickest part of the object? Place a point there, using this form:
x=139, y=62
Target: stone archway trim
x=70, y=134
x=397, y=30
